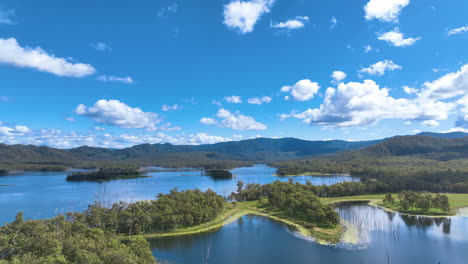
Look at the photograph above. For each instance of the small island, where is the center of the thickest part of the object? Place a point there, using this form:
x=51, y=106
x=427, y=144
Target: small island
x=219, y=174
x=105, y=174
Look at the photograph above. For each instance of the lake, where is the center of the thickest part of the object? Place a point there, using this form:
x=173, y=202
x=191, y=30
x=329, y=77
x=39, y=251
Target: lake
x=46, y=194
x=380, y=237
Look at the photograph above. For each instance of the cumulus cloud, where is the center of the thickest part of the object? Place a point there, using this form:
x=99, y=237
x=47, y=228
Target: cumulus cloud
x=61, y=139
x=234, y=121
x=116, y=113
x=410, y=90
x=396, y=38
x=385, y=10
x=448, y=86
x=338, y=76
x=295, y=23
x=462, y=121
x=208, y=121
x=302, y=91
x=458, y=30
x=112, y=78
x=101, y=46
x=357, y=104
x=259, y=100
x=14, y=131
x=379, y=68
x=7, y=16
x=243, y=15
x=204, y=138
x=430, y=123
x=12, y=53
x=237, y=121
x=167, y=108
x=234, y=99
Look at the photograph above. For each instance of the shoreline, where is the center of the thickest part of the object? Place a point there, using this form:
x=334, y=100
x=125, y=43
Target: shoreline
x=319, y=235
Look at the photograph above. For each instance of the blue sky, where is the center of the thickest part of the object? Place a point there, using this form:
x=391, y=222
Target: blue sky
x=119, y=73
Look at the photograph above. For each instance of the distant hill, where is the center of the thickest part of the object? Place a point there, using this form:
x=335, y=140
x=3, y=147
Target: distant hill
x=397, y=153
x=231, y=154
x=260, y=149
x=220, y=155
x=444, y=135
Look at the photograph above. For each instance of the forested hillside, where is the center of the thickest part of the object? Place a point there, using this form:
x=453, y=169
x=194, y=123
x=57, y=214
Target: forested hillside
x=441, y=147
x=408, y=162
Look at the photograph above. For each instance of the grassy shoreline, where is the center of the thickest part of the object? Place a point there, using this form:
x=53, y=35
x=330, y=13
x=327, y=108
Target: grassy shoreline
x=457, y=201
x=322, y=236
x=239, y=209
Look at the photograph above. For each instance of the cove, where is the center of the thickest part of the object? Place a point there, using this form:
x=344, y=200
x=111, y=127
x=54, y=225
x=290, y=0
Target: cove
x=380, y=237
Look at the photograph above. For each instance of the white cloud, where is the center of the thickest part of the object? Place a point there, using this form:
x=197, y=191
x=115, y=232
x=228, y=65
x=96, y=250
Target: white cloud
x=334, y=22
x=6, y=16
x=463, y=114
x=448, y=86
x=116, y=113
x=98, y=128
x=303, y=90
x=167, y=108
x=70, y=119
x=14, y=131
x=430, y=123
x=237, y=121
x=112, y=78
x=100, y=46
x=338, y=76
x=396, y=39
x=410, y=90
x=295, y=23
x=167, y=10
x=234, y=99
x=13, y=54
x=204, y=138
x=357, y=104
x=458, y=30
x=243, y=15
x=367, y=48
x=259, y=100
x=381, y=67
x=385, y=10
x=208, y=121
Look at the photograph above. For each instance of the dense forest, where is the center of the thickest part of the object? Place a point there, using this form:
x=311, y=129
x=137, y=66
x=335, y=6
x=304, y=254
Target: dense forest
x=60, y=241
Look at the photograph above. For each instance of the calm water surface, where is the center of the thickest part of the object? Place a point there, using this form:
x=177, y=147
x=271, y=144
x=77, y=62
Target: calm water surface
x=43, y=195
x=383, y=238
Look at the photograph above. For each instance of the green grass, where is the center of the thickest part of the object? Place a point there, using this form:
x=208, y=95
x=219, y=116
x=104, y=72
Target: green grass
x=456, y=200
x=236, y=210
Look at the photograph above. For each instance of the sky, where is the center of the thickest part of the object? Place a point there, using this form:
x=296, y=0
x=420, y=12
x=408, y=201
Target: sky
x=119, y=73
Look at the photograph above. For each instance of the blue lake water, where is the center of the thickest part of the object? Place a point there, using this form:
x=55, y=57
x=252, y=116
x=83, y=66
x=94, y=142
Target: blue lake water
x=382, y=237
x=46, y=194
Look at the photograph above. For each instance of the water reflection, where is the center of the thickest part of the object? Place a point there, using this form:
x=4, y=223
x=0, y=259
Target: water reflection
x=385, y=236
